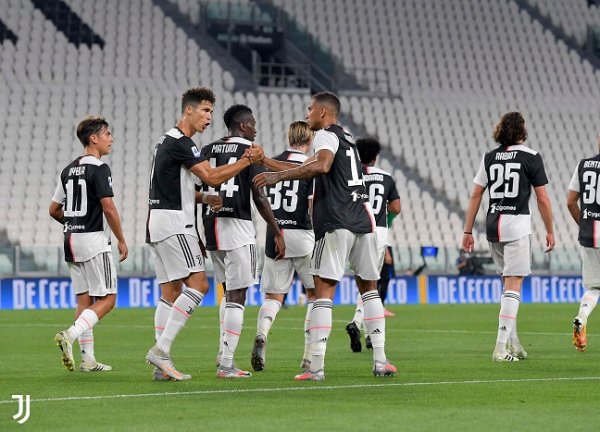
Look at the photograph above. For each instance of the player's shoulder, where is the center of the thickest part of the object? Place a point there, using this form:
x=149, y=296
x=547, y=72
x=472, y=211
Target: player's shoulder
x=522, y=148
x=91, y=160
x=291, y=155
x=376, y=170
x=174, y=135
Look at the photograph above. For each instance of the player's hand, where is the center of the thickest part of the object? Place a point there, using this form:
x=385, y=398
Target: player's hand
x=468, y=243
x=550, y=242
x=266, y=179
x=255, y=153
x=279, y=247
x=215, y=202
x=123, y=251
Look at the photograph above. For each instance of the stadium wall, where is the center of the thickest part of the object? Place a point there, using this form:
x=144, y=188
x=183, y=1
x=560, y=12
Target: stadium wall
x=56, y=293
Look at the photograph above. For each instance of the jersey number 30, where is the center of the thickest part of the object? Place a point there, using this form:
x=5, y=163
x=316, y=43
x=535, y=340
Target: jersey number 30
x=505, y=180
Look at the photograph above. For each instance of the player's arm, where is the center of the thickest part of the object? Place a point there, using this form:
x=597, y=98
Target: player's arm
x=543, y=203
x=214, y=201
x=219, y=175
x=321, y=164
x=573, y=205
x=394, y=206
x=264, y=208
x=56, y=212
x=112, y=217
x=474, y=203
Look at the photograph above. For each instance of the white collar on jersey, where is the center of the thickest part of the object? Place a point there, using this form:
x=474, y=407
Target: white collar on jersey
x=237, y=140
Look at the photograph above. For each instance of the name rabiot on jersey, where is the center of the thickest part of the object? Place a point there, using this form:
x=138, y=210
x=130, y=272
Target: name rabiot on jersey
x=585, y=181
x=509, y=173
x=81, y=186
x=340, y=200
x=289, y=202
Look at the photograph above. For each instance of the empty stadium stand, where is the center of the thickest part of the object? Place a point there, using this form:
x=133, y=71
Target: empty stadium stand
x=454, y=67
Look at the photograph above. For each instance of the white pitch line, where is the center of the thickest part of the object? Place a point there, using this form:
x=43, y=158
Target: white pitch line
x=140, y=326
x=313, y=387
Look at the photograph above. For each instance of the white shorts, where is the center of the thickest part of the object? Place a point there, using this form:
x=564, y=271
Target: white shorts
x=381, y=253
x=237, y=267
x=590, y=268
x=512, y=258
x=176, y=257
x=335, y=248
x=98, y=276
x=277, y=276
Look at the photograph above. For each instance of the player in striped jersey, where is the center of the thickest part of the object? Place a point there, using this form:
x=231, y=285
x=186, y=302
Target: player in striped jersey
x=384, y=198
x=83, y=203
x=509, y=171
x=230, y=235
x=171, y=225
x=290, y=202
x=583, y=202
x=344, y=231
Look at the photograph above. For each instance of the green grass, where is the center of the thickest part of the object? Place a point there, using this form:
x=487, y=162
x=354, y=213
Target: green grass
x=446, y=377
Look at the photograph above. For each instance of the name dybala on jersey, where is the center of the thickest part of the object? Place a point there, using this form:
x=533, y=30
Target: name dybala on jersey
x=171, y=199
x=81, y=186
x=339, y=200
x=381, y=188
x=510, y=172
x=232, y=226
x=585, y=181
x=289, y=202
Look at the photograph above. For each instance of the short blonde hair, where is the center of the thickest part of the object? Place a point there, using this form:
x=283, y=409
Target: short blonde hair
x=299, y=133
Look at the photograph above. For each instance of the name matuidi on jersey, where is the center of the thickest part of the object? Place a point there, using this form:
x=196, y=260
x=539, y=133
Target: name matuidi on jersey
x=224, y=148
x=506, y=155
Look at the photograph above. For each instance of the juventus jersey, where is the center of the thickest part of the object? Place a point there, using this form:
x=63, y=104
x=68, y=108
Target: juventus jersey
x=510, y=172
x=81, y=186
x=585, y=182
x=340, y=199
x=381, y=188
x=289, y=202
x=232, y=226
x=172, y=199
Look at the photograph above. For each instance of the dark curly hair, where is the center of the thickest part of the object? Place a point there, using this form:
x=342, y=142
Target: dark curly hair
x=368, y=149
x=196, y=95
x=510, y=129
x=235, y=115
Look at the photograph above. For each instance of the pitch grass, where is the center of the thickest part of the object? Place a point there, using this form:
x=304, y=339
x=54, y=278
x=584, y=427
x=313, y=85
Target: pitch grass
x=446, y=378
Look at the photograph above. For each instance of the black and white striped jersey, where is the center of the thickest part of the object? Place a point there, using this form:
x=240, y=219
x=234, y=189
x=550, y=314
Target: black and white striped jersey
x=81, y=186
x=381, y=188
x=340, y=200
x=509, y=173
x=172, y=199
x=289, y=201
x=232, y=226
x=586, y=181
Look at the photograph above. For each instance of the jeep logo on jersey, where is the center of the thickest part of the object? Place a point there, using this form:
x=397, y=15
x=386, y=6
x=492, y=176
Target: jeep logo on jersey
x=195, y=151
